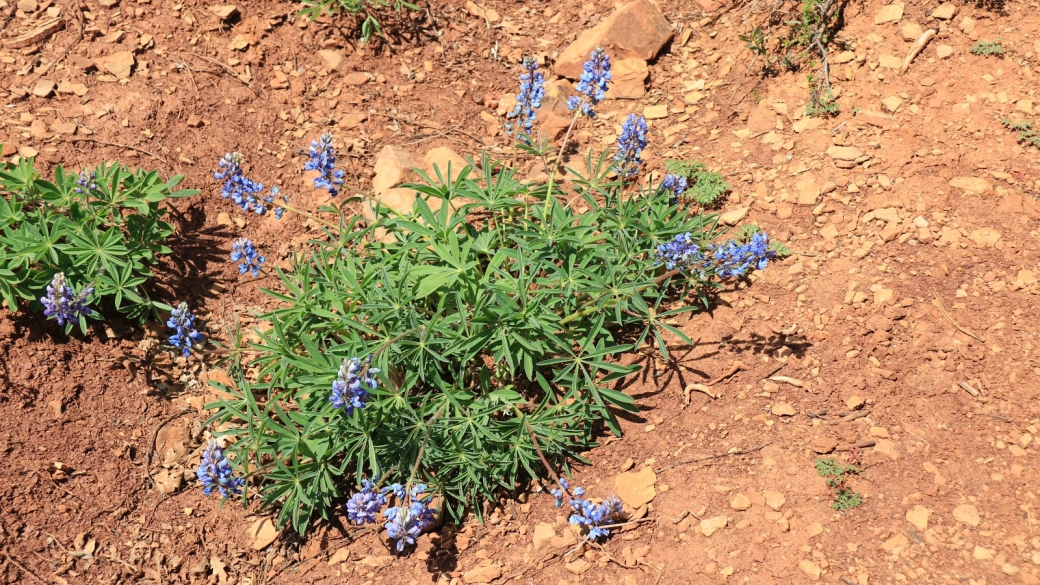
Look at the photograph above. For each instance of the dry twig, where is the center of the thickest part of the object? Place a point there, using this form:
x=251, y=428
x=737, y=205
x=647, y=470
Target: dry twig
x=942, y=311
x=719, y=456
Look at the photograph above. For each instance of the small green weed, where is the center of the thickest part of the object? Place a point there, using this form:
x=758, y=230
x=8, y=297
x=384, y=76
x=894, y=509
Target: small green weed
x=988, y=49
x=102, y=229
x=705, y=187
x=358, y=8
x=1024, y=127
x=837, y=479
x=822, y=106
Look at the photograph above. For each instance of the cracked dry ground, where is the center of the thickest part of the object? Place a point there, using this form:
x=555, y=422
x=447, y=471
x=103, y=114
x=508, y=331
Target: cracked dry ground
x=903, y=325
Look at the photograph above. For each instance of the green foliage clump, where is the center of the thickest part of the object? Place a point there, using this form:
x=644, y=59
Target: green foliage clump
x=493, y=340
x=822, y=106
x=703, y=186
x=106, y=232
x=362, y=9
x=988, y=49
x=1026, y=133
x=837, y=479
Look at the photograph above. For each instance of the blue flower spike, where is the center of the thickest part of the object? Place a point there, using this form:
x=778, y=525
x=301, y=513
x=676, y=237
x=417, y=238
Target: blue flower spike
x=532, y=90
x=630, y=146
x=244, y=191
x=593, y=85
x=62, y=303
x=245, y=253
x=323, y=160
x=363, y=506
x=729, y=259
x=86, y=182
x=410, y=517
x=185, y=335
x=675, y=186
x=588, y=516
x=215, y=473
x=351, y=387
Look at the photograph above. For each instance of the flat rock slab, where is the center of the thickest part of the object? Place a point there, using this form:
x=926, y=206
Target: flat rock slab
x=890, y=13
x=636, y=488
x=636, y=30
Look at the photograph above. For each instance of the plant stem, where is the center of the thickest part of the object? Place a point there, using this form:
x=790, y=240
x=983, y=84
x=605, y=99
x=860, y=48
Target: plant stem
x=559, y=157
x=590, y=306
x=422, y=448
x=545, y=462
x=309, y=215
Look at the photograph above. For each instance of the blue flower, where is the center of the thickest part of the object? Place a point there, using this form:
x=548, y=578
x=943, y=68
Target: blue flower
x=184, y=334
x=363, y=505
x=409, y=519
x=244, y=252
x=589, y=516
x=350, y=389
x=530, y=97
x=630, y=146
x=215, y=473
x=323, y=160
x=729, y=259
x=62, y=303
x=275, y=192
x=593, y=84
x=242, y=190
x=86, y=182
x=674, y=185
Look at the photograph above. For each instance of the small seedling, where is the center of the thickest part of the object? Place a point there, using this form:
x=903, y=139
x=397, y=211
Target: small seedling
x=837, y=479
x=1026, y=133
x=705, y=187
x=988, y=49
x=822, y=106
x=756, y=41
x=312, y=9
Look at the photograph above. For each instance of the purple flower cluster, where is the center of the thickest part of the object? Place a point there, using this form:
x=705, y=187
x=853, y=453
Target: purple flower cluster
x=733, y=260
x=411, y=516
x=184, y=335
x=86, y=182
x=62, y=303
x=630, y=145
x=593, y=84
x=245, y=253
x=728, y=260
x=674, y=185
x=532, y=90
x=363, y=505
x=323, y=160
x=587, y=515
x=215, y=473
x=244, y=191
x=350, y=389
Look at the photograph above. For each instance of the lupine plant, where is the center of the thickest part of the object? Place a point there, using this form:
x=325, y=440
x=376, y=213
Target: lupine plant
x=100, y=229
x=185, y=335
x=469, y=343
x=248, y=257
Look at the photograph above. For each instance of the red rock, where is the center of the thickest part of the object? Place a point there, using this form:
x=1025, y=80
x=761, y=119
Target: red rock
x=637, y=29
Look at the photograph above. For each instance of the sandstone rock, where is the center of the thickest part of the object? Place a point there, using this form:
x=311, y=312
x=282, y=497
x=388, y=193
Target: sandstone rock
x=637, y=29
x=943, y=51
x=845, y=57
x=1025, y=106
x=918, y=516
x=984, y=237
x=982, y=553
x=628, y=79
x=734, y=216
x=442, y=158
x=775, y=500
x=824, y=445
x=636, y=488
x=854, y=403
x=890, y=13
x=879, y=432
x=118, y=64
x=808, y=190
x=553, y=115
x=43, y=88
x=340, y=556
x=896, y=542
x=740, y=502
x=887, y=447
x=911, y=31
x=578, y=566
x=543, y=535
x=393, y=166
x=485, y=574
x=356, y=78
x=810, y=568
x=655, y=112
x=262, y=533
x=967, y=514
x=710, y=526
x=967, y=25
x=945, y=12
x=892, y=103
x=890, y=62
x=333, y=59
x=847, y=153
x=783, y=409
x=970, y=184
